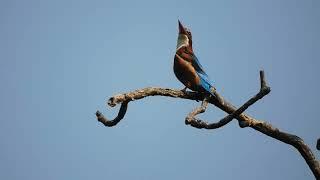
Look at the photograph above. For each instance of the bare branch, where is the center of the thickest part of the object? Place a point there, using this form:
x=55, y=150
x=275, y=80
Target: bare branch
x=190, y=119
x=197, y=123
x=110, y=123
x=244, y=119
x=124, y=99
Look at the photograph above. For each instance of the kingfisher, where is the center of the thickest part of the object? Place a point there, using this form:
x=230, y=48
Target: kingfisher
x=187, y=67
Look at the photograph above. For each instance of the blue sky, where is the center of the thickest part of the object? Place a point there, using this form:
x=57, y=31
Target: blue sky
x=61, y=60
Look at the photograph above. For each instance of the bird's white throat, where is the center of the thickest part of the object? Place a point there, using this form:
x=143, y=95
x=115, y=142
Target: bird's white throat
x=183, y=40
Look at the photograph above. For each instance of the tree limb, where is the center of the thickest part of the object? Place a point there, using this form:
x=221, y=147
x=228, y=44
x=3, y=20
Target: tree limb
x=244, y=119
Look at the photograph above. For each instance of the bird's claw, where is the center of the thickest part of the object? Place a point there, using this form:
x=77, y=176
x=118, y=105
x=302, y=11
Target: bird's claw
x=184, y=90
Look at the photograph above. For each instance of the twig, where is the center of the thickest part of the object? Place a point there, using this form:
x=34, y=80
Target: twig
x=190, y=119
x=110, y=123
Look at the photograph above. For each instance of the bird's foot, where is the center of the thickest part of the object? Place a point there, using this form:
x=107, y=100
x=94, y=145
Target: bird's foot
x=184, y=89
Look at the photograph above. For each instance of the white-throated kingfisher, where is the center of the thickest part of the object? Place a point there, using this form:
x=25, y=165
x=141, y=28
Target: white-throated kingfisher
x=187, y=67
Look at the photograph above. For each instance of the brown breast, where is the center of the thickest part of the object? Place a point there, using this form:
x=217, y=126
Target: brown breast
x=185, y=72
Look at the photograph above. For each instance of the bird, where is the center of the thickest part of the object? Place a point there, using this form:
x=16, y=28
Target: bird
x=187, y=67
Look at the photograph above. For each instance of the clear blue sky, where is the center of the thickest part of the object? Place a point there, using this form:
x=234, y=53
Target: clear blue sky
x=61, y=60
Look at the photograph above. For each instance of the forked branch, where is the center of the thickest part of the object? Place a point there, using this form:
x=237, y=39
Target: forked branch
x=197, y=123
x=243, y=119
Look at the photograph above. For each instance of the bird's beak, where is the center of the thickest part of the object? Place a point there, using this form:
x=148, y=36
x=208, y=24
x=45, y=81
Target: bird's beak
x=181, y=28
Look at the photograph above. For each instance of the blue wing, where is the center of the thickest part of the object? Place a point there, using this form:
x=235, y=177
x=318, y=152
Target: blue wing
x=204, y=78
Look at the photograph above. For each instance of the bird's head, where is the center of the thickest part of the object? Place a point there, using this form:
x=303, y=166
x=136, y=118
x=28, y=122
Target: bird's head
x=184, y=37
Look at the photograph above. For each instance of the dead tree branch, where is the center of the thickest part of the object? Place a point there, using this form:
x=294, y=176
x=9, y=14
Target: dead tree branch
x=243, y=119
x=197, y=123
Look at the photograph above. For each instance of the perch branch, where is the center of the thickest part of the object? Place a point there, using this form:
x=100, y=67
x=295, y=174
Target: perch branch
x=244, y=119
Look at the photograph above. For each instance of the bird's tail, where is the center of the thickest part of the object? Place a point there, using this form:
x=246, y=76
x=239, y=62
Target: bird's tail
x=206, y=84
